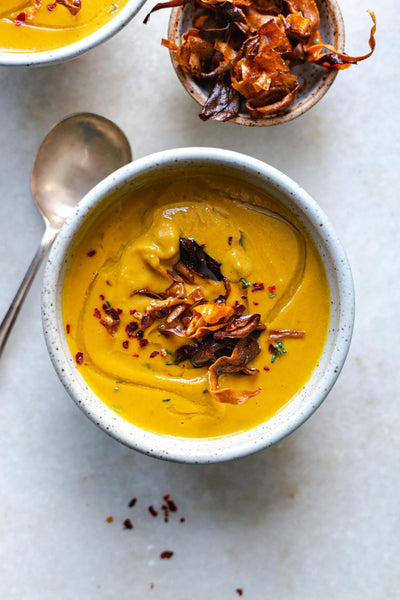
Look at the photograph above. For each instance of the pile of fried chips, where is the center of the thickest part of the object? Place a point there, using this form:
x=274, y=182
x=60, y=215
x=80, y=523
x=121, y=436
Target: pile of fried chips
x=247, y=48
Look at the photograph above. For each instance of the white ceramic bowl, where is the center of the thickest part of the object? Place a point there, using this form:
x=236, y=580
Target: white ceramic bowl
x=317, y=80
x=204, y=450
x=51, y=57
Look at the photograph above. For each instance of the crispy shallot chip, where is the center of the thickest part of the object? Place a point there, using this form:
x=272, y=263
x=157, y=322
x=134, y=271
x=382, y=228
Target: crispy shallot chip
x=74, y=6
x=334, y=60
x=241, y=327
x=245, y=350
x=281, y=334
x=213, y=313
x=193, y=256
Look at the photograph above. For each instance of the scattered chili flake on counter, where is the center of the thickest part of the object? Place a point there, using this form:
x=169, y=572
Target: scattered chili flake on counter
x=132, y=502
x=109, y=519
x=128, y=524
x=239, y=591
x=166, y=554
x=152, y=511
x=68, y=328
x=244, y=50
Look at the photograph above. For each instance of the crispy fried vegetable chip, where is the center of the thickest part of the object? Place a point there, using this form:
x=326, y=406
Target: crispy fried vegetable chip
x=246, y=49
x=74, y=6
x=217, y=335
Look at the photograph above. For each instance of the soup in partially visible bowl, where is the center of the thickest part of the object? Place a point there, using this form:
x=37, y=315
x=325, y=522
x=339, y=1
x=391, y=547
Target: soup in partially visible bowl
x=43, y=32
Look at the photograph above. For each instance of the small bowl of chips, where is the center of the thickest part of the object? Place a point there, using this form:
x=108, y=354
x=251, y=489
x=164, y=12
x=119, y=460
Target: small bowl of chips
x=257, y=63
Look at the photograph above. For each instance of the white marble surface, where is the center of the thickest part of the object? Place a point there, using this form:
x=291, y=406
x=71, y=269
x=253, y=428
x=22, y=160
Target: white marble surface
x=317, y=516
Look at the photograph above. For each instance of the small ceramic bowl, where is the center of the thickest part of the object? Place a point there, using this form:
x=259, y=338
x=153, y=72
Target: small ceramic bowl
x=52, y=57
x=317, y=80
x=172, y=163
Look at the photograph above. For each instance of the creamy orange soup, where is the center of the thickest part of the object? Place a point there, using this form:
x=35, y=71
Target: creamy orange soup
x=185, y=352
x=38, y=25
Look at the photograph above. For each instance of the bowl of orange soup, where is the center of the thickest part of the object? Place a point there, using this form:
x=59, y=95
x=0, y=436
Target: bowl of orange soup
x=198, y=305
x=43, y=32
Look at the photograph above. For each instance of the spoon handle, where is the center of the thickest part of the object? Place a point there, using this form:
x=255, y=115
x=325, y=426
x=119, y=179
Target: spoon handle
x=12, y=313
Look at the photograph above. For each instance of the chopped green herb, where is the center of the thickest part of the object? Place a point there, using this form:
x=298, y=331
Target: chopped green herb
x=119, y=382
x=245, y=283
x=246, y=360
x=113, y=8
x=169, y=352
x=116, y=389
x=116, y=408
x=108, y=303
x=205, y=392
x=169, y=363
x=148, y=365
x=279, y=351
x=271, y=295
x=166, y=399
x=241, y=239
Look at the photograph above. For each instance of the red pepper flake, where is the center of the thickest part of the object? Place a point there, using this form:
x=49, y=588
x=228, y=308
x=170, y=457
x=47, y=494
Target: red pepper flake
x=272, y=289
x=52, y=6
x=256, y=303
x=182, y=520
x=108, y=282
x=152, y=511
x=239, y=591
x=68, y=328
x=131, y=328
x=271, y=349
x=170, y=503
x=143, y=343
x=139, y=334
x=128, y=524
x=110, y=519
x=243, y=297
x=125, y=344
x=166, y=554
x=97, y=313
x=103, y=322
x=230, y=239
x=239, y=308
x=20, y=19
x=79, y=358
x=257, y=287
x=135, y=355
x=153, y=354
x=152, y=586
x=132, y=502
x=266, y=368
x=91, y=252
x=132, y=311
x=102, y=297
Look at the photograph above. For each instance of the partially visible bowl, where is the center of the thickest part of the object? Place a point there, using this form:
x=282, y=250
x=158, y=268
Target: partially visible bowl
x=317, y=80
x=173, y=163
x=75, y=49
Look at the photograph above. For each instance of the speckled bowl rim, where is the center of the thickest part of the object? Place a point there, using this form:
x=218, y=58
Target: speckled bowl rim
x=196, y=92
x=66, y=53
x=299, y=409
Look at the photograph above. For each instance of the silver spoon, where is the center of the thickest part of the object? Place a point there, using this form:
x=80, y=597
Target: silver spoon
x=76, y=154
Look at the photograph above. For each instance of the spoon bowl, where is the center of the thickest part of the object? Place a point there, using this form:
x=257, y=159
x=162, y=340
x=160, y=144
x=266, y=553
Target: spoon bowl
x=76, y=154
x=81, y=150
